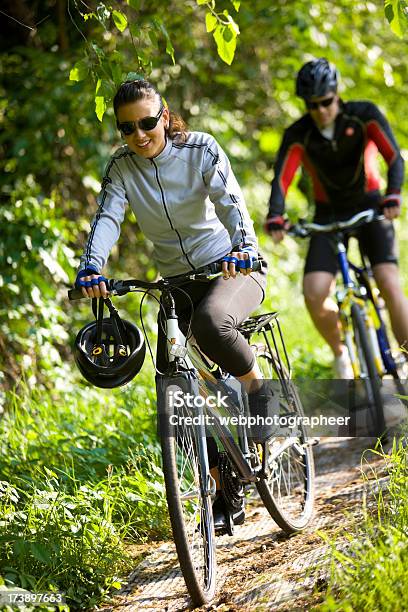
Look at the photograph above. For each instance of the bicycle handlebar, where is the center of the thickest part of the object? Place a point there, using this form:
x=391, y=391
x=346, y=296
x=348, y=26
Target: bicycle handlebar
x=121, y=287
x=303, y=230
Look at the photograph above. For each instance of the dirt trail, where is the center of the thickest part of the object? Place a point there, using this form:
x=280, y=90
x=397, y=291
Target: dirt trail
x=260, y=568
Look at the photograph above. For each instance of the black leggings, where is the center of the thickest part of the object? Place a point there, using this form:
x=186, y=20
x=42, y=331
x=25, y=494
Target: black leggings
x=219, y=307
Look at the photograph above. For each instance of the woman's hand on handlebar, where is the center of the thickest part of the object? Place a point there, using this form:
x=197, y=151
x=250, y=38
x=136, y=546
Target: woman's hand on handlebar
x=92, y=284
x=238, y=261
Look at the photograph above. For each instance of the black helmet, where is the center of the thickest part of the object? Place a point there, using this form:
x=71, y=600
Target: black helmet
x=113, y=359
x=315, y=79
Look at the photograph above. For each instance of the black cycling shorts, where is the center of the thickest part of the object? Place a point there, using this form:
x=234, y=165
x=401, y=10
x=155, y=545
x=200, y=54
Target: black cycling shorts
x=377, y=241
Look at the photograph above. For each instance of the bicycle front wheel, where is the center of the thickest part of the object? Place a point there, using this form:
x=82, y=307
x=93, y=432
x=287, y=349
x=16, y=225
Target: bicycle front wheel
x=287, y=490
x=369, y=376
x=189, y=504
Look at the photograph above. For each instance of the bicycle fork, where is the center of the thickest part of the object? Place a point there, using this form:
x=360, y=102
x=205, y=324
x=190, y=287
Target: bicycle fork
x=369, y=319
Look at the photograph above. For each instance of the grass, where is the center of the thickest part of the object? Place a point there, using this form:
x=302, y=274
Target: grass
x=79, y=477
x=373, y=572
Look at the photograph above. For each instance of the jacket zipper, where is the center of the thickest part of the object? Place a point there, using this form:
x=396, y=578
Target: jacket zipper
x=168, y=216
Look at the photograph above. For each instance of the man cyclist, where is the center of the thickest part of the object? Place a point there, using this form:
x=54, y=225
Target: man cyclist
x=336, y=142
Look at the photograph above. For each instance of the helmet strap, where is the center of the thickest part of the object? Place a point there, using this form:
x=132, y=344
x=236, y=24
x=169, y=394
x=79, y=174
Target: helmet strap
x=117, y=325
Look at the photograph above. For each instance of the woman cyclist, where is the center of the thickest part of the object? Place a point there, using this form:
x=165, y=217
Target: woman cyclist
x=187, y=201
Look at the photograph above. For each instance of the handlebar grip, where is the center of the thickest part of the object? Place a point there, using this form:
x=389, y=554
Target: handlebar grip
x=75, y=294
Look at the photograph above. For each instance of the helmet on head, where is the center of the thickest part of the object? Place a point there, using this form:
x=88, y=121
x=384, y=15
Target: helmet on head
x=109, y=352
x=315, y=79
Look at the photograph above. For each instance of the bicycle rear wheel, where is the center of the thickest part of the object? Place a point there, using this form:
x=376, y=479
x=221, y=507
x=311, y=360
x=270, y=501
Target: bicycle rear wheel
x=287, y=491
x=186, y=475
x=368, y=374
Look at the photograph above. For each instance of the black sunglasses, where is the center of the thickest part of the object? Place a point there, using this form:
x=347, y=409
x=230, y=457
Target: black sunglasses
x=146, y=124
x=325, y=103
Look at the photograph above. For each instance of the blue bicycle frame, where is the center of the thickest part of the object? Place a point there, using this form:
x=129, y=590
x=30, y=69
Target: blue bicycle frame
x=362, y=276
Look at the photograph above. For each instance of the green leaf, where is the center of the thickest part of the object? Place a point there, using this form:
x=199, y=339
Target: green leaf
x=116, y=73
x=135, y=30
x=170, y=50
x=161, y=28
x=153, y=37
x=210, y=22
x=389, y=12
x=202, y=2
x=225, y=49
x=80, y=71
x=100, y=53
x=116, y=584
x=40, y=552
x=236, y=4
x=396, y=15
x=104, y=87
x=120, y=20
x=227, y=34
x=134, y=76
x=100, y=106
x=134, y=4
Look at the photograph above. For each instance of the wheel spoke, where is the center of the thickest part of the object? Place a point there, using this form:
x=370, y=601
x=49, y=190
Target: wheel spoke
x=287, y=490
x=190, y=510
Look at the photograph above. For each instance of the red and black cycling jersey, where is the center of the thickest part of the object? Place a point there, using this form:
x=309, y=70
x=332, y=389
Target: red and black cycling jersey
x=343, y=170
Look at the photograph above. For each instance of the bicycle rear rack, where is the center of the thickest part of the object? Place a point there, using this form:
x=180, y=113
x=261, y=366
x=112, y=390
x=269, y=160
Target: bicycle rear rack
x=264, y=325
x=255, y=324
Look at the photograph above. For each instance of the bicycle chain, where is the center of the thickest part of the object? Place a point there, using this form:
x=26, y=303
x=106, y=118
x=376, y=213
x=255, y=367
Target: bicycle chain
x=231, y=486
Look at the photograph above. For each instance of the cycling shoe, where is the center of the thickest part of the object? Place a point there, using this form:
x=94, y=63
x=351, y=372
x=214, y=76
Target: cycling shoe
x=263, y=406
x=224, y=518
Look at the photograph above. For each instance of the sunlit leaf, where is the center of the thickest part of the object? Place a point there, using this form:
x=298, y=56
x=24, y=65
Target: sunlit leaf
x=396, y=13
x=80, y=71
x=100, y=106
x=120, y=20
x=210, y=22
x=225, y=49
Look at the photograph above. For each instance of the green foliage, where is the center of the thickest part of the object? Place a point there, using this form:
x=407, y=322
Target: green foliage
x=79, y=474
x=143, y=32
x=53, y=541
x=35, y=260
x=372, y=573
x=396, y=12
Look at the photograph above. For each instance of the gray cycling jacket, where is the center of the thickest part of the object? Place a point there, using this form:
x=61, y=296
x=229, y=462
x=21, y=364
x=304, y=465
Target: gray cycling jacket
x=186, y=200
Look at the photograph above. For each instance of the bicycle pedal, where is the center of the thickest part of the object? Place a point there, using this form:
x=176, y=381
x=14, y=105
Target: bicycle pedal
x=224, y=525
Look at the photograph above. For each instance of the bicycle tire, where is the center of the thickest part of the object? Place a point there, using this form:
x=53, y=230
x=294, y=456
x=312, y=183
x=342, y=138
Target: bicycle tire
x=192, y=526
x=370, y=376
x=292, y=506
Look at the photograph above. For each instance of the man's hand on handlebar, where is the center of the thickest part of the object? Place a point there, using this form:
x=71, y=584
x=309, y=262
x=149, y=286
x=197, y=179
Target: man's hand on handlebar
x=276, y=227
x=391, y=205
x=92, y=284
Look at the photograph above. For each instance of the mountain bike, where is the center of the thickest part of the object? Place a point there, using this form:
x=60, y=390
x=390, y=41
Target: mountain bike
x=281, y=469
x=359, y=306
